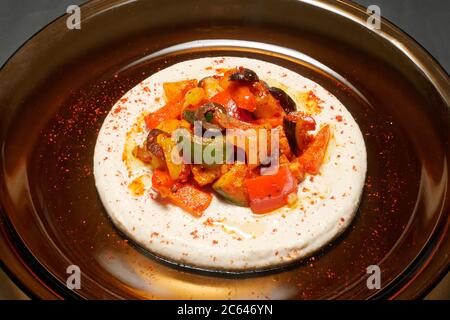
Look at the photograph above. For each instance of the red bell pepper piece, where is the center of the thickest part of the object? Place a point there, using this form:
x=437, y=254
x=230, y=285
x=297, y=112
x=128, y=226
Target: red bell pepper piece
x=225, y=99
x=244, y=98
x=171, y=110
x=270, y=192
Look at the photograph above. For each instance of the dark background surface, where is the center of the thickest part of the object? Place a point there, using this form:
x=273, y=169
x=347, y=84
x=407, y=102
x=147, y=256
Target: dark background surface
x=427, y=21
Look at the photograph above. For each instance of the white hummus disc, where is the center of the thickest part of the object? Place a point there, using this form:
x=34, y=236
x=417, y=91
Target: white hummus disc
x=236, y=239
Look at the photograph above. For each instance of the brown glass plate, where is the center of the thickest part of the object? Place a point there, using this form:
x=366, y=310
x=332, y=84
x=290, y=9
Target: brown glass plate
x=57, y=89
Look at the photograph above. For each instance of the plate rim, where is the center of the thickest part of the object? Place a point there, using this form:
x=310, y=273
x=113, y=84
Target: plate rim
x=41, y=284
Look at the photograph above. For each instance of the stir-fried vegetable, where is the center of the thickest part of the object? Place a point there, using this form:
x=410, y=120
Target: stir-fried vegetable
x=226, y=100
x=270, y=192
x=171, y=125
x=244, y=98
x=151, y=152
x=296, y=127
x=313, y=156
x=177, y=171
x=206, y=114
x=231, y=185
x=238, y=99
x=186, y=196
x=194, y=97
x=205, y=175
x=175, y=91
x=286, y=102
x=171, y=110
x=211, y=86
x=266, y=105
